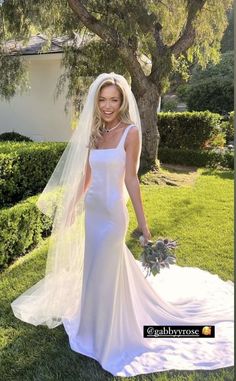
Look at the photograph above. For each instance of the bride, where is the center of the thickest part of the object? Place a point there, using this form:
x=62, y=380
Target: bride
x=93, y=285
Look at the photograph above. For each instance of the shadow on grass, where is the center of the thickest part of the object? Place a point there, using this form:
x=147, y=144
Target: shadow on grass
x=184, y=169
x=223, y=174
x=171, y=168
x=178, y=168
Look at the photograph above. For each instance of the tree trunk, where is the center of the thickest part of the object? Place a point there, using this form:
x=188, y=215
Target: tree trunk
x=148, y=105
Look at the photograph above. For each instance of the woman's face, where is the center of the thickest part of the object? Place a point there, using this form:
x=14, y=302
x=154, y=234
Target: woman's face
x=109, y=102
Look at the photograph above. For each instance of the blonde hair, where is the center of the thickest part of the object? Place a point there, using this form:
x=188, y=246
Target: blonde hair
x=97, y=123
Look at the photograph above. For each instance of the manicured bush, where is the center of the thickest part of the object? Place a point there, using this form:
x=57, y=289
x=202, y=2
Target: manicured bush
x=196, y=158
x=187, y=130
x=14, y=136
x=25, y=169
x=21, y=228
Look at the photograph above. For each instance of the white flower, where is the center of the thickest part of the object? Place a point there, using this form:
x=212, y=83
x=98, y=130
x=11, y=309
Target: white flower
x=142, y=240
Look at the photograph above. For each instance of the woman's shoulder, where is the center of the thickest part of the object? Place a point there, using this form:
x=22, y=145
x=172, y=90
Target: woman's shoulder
x=132, y=129
x=130, y=126
x=132, y=135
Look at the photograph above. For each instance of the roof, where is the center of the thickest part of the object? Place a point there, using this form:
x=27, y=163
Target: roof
x=36, y=44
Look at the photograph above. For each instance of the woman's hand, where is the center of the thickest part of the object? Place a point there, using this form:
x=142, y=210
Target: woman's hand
x=146, y=234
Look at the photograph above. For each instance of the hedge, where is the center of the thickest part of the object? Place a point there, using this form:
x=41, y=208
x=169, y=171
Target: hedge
x=196, y=158
x=14, y=136
x=187, y=130
x=25, y=169
x=22, y=227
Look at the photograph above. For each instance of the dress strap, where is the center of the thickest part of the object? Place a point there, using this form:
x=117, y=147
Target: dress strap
x=122, y=140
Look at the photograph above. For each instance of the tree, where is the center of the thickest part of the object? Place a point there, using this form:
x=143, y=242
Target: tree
x=211, y=89
x=124, y=37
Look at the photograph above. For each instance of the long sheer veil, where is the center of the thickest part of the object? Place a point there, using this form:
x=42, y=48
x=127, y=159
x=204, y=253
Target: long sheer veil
x=58, y=295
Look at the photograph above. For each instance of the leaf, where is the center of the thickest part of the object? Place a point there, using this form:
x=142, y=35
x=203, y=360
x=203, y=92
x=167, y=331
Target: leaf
x=155, y=271
x=171, y=260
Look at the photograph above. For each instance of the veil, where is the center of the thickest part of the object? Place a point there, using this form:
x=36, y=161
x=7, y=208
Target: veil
x=57, y=296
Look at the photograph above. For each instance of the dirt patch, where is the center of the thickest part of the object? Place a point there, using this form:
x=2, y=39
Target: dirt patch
x=179, y=168
x=171, y=175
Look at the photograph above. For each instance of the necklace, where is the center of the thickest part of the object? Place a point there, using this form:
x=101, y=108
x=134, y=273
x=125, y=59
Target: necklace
x=109, y=130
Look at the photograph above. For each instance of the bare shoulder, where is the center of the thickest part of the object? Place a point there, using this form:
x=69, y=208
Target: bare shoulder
x=132, y=138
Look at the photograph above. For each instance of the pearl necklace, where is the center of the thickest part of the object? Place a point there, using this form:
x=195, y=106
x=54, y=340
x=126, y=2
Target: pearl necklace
x=109, y=130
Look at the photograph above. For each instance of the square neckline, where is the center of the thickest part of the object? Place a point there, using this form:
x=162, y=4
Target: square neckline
x=109, y=149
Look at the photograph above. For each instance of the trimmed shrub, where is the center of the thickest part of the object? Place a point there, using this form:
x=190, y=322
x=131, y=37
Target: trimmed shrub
x=21, y=229
x=196, y=158
x=187, y=130
x=14, y=136
x=25, y=169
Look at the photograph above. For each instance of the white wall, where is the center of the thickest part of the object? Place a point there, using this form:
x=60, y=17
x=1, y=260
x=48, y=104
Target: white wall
x=36, y=113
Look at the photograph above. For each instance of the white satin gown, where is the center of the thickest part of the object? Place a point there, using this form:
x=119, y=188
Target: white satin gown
x=117, y=299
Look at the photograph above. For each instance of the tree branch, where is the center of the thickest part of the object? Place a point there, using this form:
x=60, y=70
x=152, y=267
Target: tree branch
x=187, y=38
x=106, y=34
x=148, y=23
x=113, y=38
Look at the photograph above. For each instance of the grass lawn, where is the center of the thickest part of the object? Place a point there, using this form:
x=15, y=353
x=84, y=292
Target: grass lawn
x=199, y=215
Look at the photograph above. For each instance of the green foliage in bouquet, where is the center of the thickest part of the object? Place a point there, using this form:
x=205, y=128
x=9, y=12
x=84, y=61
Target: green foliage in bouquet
x=158, y=255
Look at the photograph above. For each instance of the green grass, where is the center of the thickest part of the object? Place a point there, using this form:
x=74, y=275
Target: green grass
x=200, y=216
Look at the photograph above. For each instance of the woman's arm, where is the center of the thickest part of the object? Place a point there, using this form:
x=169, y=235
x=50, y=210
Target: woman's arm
x=86, y=181
x=132, y=145
x=88, y=176
x=78, y=195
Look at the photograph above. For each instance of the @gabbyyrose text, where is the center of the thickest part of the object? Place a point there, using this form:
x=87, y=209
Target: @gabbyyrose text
x=178, y=331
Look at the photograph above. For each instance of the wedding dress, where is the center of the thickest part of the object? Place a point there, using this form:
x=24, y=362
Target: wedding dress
x=117, y=299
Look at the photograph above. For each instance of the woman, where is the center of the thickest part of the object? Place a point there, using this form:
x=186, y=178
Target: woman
x=93, y=284
x=112, y=113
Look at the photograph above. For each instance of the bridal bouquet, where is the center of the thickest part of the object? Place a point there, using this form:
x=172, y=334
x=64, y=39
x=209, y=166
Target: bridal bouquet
x=157, y=255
